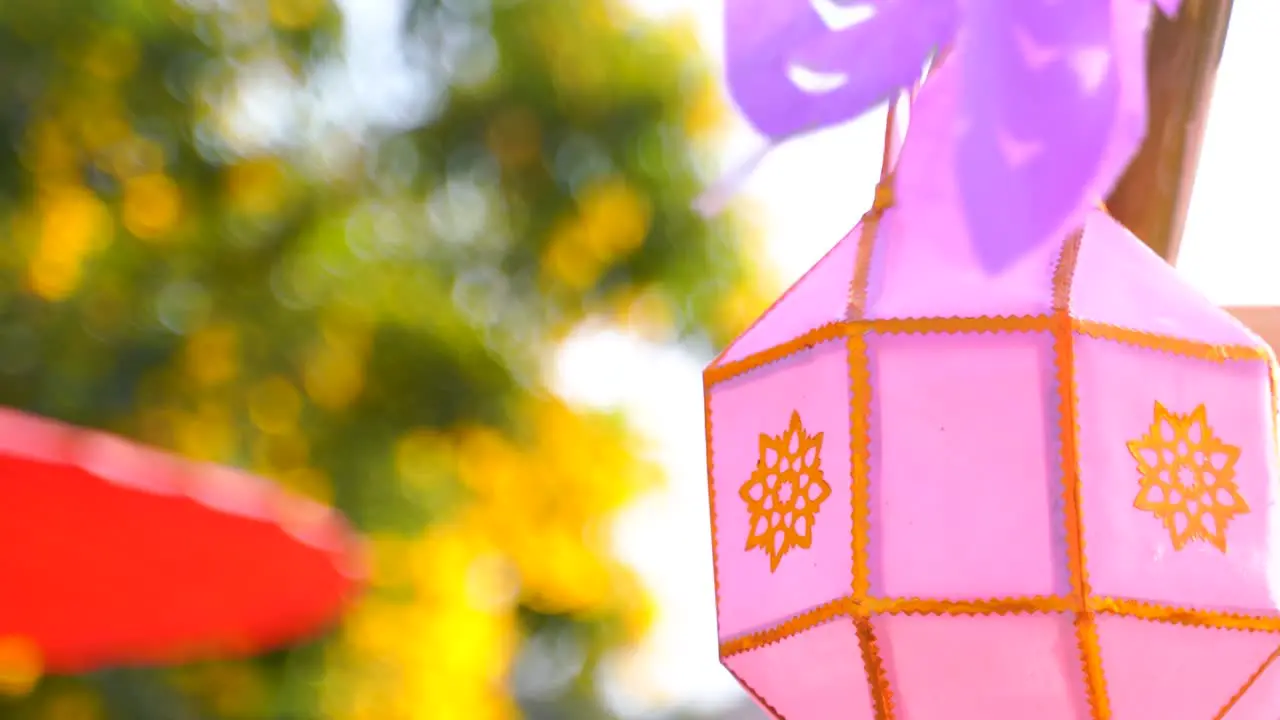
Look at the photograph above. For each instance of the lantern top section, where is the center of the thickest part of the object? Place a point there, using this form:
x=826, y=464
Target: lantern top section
x=880, y=272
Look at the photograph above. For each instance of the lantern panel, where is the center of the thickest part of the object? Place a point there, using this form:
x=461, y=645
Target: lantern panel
x=1177, y=462
x=924, y=266
x=806, y=675
x=818, y=298
x=1120, y=281
x=1177, y=672
x=1029, y=667
x=780, y=475
x=970, y=419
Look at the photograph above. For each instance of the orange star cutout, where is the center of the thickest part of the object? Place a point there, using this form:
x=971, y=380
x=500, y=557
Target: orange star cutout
x=1188, y=478
x=785, y=492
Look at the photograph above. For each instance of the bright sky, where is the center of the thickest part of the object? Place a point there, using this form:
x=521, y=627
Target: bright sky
x=810, y=194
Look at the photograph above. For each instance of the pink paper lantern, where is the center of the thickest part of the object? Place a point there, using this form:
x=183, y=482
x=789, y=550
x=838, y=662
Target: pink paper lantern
x=1049, y=494
x=1054, y=505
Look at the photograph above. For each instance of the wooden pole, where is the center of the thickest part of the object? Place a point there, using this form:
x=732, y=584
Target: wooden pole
x=1152, y=196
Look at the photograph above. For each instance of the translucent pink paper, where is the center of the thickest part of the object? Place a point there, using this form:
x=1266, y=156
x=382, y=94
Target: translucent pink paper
x=1044, y=494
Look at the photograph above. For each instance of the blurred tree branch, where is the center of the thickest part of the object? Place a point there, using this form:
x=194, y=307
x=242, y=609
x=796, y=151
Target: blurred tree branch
x=345, y=263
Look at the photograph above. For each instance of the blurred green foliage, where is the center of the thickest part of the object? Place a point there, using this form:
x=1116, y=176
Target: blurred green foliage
x=219, y=244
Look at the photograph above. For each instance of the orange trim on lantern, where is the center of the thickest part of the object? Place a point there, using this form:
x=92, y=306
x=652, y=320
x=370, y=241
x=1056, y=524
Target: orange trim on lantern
x=1077, y=568
x=1064, y=362
x=881, y=695
x=860, y=495
x=1248, y=684
x=1195, y=350
x=956, y=325
x=1267, y=623
x=716, y=374
x=711, y=498
x=1027, y=605
x=1031, y=605
x=1091, y=663
x=851, y=608
x=841, y=607
x=1169, y=344
x=857, y=303
x=860, y=463
x=1065, y=271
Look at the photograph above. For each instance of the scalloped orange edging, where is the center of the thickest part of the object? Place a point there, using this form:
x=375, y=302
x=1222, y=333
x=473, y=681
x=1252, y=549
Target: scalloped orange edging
x=860, y=495
x=883, y=200
x=717, y=374
x=1034, y=604
x=1065, y=271
x=985, y=324
x=860, y=463
x=1169, y=344
x=841, y=607
x=1195, y=350
x=711, y=500
x=1064, y=365
x=847, y=607
x=1155, y=612
x=860, y=450
x=873, y=662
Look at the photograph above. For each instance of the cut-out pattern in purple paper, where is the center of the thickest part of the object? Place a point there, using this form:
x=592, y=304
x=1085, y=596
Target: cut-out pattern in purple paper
x=1053, y=93
x=800, y=65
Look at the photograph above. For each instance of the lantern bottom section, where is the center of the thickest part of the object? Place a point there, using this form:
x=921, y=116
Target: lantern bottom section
x=1041, y=666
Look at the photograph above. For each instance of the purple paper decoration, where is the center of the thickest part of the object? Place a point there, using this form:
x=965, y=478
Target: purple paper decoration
x=854, y=55
x=1053, y=100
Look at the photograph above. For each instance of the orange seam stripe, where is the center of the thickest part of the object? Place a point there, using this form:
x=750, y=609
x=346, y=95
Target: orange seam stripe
x=824, y=333
x=1065, y=271
x=1091, y=662
x=1262, y=622
x=860, y=465
x=1034, y=604
x=1024, y=605
x=860, y=446
x=716, y=374
x=1064, y=360
x=952, y=325
x=1169, y=344
x=711, y=498
x=881, y=695
x=857, y=301
x=841, y=607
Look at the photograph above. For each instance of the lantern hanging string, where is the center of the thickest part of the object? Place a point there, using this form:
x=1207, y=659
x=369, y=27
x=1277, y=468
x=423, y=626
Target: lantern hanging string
x=894, y=135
